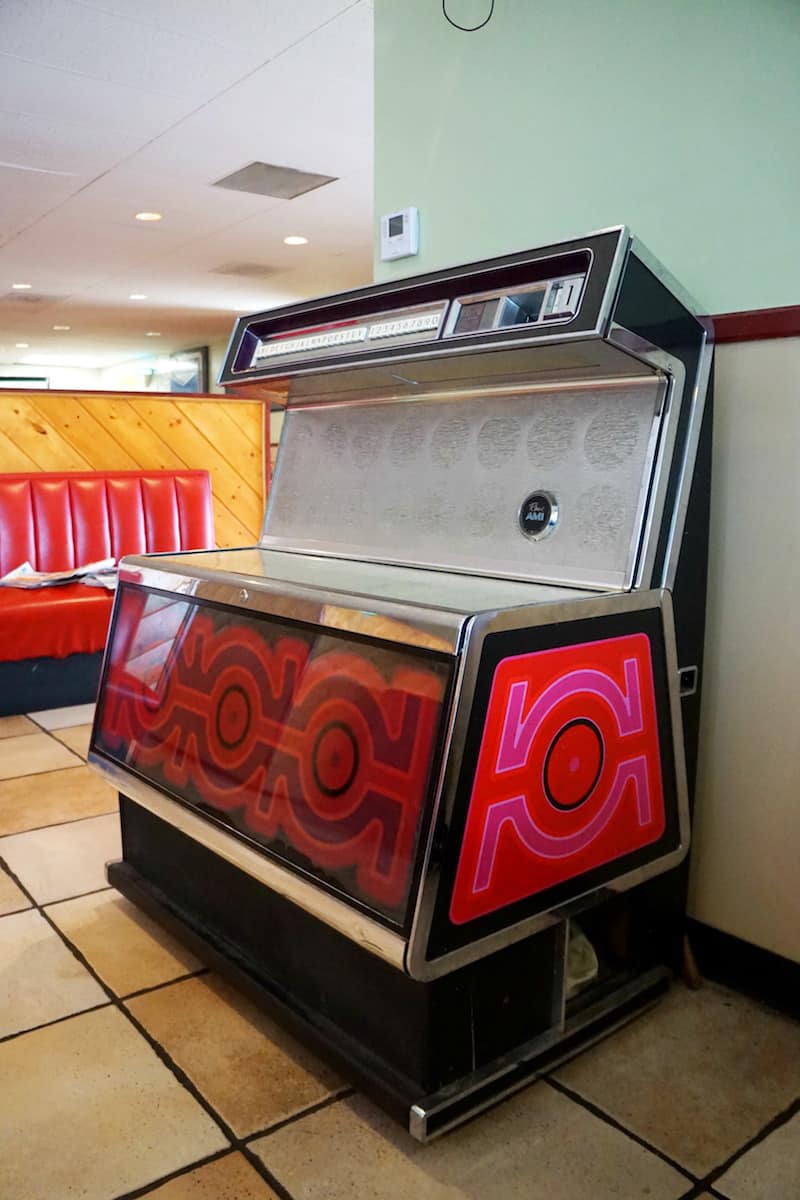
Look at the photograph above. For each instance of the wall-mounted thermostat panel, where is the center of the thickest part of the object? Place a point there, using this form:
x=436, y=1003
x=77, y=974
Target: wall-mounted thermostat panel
x=400, y=234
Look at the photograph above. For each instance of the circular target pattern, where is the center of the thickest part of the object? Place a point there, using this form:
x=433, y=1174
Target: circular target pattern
x=335, y=758
x=231, y=723
x=573, y=764
x=233, y=716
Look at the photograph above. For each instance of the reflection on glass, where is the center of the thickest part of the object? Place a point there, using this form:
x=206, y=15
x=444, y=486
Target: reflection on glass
x=316, y=746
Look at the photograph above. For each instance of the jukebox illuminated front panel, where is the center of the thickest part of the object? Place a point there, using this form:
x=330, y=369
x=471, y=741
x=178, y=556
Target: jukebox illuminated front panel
x=568, y=779
x=316, y=746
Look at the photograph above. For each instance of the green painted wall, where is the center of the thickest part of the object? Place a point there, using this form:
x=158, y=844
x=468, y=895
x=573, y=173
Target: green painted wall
x=679, y=118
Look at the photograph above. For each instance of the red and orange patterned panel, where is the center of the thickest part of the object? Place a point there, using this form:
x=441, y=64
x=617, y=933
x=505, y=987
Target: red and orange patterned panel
x=317, y=747
x=568, y=776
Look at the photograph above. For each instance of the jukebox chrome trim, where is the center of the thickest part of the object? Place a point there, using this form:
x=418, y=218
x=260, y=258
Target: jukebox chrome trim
x=434, y=1115
x=544, y=286
x=417, y=965
x=649, y=260
x=453, y=273
x=344, y=918
x=699, y=398
x=437, y=629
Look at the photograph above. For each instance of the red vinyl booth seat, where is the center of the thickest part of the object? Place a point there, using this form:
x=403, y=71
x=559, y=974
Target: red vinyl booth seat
x=61, y=521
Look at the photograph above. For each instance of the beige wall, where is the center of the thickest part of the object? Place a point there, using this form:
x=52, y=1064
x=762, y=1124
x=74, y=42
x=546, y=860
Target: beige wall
x=746, y=865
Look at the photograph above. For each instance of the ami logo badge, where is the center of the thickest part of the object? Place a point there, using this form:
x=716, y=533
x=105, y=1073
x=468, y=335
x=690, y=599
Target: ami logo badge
x=568, y=775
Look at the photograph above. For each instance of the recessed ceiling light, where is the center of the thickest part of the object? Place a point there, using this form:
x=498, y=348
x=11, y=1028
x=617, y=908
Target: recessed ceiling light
x=148, y=216
x=152, y=333
x=137, y=296
x=296, y=240
x=21, y=287
x=22, y=345
x=62, y=328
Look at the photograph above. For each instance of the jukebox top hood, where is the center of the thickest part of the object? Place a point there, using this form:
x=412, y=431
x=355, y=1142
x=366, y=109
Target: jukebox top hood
x=555, y=392
x=439, y=701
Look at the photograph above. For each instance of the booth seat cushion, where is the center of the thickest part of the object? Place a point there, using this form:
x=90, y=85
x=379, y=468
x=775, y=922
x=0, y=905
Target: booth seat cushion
x=53, y=622
x=61, y=521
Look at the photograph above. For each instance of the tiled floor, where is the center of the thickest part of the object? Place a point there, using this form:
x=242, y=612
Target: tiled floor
x=128, y=1070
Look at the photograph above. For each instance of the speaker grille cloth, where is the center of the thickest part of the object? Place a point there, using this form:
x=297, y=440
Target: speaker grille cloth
x=440, y=482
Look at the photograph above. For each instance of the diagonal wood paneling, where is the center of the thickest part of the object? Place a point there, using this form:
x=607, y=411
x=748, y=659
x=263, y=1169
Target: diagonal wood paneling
x=79, y=431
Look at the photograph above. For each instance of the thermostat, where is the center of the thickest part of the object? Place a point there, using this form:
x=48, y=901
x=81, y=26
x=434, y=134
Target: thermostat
x=400, y=234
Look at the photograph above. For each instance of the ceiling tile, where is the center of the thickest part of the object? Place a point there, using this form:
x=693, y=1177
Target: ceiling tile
x=51, y=144
x=238, y=23
x=37, y=90
x=142, y=106
x=116, y=48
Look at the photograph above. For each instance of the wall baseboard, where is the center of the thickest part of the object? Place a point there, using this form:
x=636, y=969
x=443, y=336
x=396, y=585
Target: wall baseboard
x=747, y=968
x=757, y=324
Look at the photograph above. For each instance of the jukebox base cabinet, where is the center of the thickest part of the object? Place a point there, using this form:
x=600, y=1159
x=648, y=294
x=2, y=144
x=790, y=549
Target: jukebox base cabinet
x=432, y=1054
x=255, y=749
x=413, y=770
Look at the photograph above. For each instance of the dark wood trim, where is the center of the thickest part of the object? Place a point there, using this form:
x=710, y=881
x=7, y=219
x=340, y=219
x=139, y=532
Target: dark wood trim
x=757, y=324
x=747, y=968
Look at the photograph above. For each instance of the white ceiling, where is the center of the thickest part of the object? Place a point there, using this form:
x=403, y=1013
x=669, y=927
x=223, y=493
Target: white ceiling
x=111, y=107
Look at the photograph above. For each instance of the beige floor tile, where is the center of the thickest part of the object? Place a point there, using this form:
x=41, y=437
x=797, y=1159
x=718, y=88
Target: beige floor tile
x=770, y=1171
x=33, y=801
x=62, y=718
x=229, y=1178
x=538, y=1145
x=75, y=738
x=126, y=948
x=697, y=1077
x=40, y=980
x=89, y=1111
x=12, y=899
x=14, y=726
x=250, y=1071
x=64, y=860
x=33, y=753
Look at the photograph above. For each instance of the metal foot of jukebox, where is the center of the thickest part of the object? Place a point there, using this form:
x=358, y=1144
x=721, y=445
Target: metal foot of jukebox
x=413, y=770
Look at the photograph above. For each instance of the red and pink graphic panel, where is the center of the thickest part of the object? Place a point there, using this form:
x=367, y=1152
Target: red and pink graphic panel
x=315, y=746
x=568, y=775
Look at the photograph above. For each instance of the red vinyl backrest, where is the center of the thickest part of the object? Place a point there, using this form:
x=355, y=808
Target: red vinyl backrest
x=64, y=520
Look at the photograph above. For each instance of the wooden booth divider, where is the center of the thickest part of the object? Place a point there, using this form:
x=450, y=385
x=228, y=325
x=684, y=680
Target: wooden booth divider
x=105, y=431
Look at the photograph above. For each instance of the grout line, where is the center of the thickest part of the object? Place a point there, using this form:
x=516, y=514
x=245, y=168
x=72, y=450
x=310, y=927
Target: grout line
x=147, y=1188
x=609, y=1120
x=10, y=1037
x=79, y=762
x=160, y=1051
x=342, y=1094
x=78, y=896
x=776, y=1122
x=58, y=824
x=157, y=987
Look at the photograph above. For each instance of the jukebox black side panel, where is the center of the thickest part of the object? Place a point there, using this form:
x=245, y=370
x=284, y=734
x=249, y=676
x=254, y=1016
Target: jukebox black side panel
x=315, y=747
x=571, y=779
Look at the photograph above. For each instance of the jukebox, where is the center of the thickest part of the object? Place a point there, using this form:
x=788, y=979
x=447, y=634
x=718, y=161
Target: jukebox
x=416, y=769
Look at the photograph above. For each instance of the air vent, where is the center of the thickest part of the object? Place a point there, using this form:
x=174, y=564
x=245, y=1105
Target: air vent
x=246, y=270
x=267, y=179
